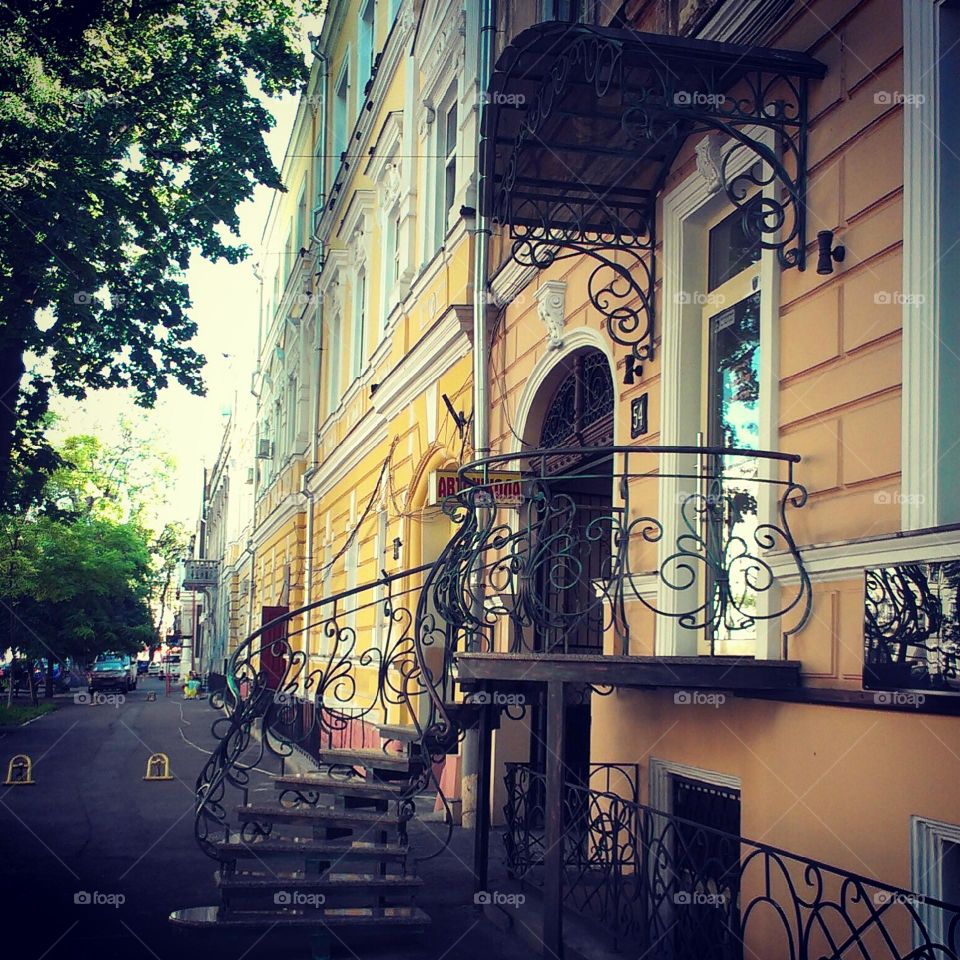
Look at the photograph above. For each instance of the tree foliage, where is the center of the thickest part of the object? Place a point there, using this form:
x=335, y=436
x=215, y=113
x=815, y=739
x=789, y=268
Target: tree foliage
x=129, y=133
x=81, y=566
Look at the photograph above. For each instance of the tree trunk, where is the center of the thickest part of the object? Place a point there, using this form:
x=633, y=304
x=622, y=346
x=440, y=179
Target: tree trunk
x=11, y=372
x=31, y=686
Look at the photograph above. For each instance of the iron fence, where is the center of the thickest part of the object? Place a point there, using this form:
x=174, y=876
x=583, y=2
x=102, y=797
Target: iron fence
x=675, y=889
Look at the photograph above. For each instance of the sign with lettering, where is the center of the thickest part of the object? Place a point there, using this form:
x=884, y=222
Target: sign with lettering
x=503, y=488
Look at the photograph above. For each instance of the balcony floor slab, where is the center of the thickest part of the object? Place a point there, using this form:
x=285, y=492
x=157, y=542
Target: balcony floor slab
x=701, y=673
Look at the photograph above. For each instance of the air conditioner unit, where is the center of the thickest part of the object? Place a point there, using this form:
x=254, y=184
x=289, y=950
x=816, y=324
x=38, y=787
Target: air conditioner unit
x=264, y=449
x=251, y=474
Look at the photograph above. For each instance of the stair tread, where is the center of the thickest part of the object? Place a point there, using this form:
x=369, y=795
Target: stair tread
x=333, y=881
x=322, y=917
x=366, y=758
x=321, y=814
x=398, y=731
x=304, y=846
x=319, y=781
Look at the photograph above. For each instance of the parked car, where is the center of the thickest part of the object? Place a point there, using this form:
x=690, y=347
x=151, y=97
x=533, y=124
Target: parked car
x=153, y=670
x=171, y=667
x=113, y=671
x=142, y=666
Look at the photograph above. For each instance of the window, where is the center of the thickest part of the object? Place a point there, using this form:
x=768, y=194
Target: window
x=277, y=432
x=396, y=249
x=333, y=366
x=359, y=324
x=391, y=267
x=288, y=253
x=303, y=230
x=731, y=337
x=930, y=112
x=340, y=110
x=364, y=49
x=569, y=10
x=292, y=411
x=446, y=183
x=935, y=873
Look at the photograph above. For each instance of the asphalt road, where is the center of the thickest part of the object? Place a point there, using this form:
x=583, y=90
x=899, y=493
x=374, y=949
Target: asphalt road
x=92, y=829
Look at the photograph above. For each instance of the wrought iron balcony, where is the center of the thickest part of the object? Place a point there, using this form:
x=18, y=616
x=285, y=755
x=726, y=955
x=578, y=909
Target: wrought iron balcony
x=606, y=546
x=676, y=889
x=198, y=574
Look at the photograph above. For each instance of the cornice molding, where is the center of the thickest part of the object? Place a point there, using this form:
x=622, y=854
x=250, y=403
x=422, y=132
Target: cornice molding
x=447, y=341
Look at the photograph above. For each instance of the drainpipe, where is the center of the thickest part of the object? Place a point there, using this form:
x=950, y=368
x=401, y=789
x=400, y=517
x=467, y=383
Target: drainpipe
x=473, y=781
x=314, y=463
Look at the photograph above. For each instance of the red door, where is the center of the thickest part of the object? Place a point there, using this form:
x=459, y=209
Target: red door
x=273, y=661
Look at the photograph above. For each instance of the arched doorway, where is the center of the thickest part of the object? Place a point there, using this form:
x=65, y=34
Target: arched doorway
x=575, y=532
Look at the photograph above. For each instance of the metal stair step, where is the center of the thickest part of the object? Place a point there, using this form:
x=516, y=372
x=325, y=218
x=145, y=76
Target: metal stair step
x=319, y=816
x=371, y=759
x=402, y=733
x=350, y=787
x=312, y=849
x=321, y=883
x=213, y=917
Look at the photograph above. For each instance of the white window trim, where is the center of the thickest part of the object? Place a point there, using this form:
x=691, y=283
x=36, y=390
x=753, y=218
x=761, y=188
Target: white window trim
x=661, y=772
x=927, y=839
x=358, y=324
x=686, y=210
x=926, y=393
x=335, y=154
x=362, y=67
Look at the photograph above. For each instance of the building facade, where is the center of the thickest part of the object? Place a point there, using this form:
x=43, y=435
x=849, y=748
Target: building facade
x=688, y=611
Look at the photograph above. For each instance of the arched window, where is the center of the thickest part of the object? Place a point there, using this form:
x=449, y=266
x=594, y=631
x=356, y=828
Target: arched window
x=581, y=411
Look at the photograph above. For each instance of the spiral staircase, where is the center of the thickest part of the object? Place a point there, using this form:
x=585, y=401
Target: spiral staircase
x=329, y=853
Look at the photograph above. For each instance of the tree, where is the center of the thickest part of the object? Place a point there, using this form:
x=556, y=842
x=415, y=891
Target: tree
x=85, y=593
x=130, y=130
x=168, y=549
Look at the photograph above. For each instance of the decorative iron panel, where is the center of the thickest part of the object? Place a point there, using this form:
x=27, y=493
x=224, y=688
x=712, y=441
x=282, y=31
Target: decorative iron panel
x=674, y=889
x=911, y=627
x=583, y=127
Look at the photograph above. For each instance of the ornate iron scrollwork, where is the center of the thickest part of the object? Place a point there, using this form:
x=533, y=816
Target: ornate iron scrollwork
x=678, y=887
x=574, y=167
x=911, y=626
x=308, y=703
x=562, y=571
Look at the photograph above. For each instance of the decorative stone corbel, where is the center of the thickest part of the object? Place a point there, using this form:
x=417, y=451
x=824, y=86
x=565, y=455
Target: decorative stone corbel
x=709, y=160
x=551, y=299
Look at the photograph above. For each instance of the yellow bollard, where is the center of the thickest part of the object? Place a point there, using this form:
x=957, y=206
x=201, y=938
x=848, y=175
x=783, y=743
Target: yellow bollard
x=19, y=771
x=158, y=767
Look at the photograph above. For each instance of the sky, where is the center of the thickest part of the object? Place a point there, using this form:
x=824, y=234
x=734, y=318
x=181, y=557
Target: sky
x=225, y=307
